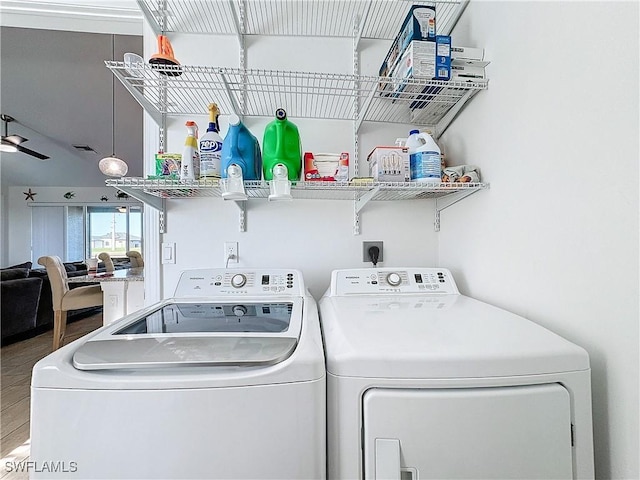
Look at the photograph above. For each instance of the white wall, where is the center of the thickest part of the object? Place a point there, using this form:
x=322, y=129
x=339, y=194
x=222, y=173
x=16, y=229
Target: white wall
x=556, y=236
x=554, y=239
x=16, y=245
x=314, y=236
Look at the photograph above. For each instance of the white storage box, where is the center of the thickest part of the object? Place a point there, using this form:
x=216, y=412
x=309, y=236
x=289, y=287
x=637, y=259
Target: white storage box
x=389, y=164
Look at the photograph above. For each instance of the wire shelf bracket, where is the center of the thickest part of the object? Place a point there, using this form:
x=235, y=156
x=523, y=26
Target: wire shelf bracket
x=156, y=202
x=442, y=203
x=359, y=204
x=242, y=216
x=148, y=106
x=451, y=115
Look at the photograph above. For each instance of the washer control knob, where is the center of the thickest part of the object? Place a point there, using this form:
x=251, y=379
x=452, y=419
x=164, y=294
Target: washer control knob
x=238, y=280
x=239, y=310
x=394, y=279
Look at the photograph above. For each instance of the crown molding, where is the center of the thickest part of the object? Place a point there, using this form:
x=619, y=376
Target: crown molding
x=123, y=18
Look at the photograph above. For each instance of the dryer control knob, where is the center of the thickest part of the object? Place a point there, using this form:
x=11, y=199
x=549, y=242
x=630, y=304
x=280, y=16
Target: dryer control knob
x=394, y=279
x=239, y=310
x=238, y=280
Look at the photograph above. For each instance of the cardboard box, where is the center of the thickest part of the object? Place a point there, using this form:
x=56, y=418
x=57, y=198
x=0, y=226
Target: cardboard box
x=419, y=24
x=467, y=72
x=326, y=167
x=389, y=164
x=469, y=63
x=443, y=57
x=418, y=60
x=429, y=60
x=168, y=165
x=467, y=53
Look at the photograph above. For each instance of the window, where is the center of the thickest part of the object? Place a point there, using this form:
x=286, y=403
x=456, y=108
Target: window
x=114, y=230
x=77, y=232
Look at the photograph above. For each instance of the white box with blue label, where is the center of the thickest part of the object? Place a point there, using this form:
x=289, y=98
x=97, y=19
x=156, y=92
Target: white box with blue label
x=430, y=60
x=419, y=24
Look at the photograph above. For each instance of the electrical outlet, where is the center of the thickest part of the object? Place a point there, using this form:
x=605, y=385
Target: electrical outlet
x=365, y=251
x=230, y=252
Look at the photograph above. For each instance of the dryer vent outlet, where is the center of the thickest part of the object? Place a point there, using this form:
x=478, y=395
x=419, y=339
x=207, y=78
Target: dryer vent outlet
x=366, y=255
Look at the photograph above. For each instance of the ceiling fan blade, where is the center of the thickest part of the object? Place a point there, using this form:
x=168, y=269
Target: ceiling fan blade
x=39, y=156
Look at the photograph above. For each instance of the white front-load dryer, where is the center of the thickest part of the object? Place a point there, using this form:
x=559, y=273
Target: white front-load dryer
x=425, y=383
x=224, y=381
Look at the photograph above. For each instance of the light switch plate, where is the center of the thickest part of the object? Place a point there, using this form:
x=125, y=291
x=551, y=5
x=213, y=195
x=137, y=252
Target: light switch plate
x=168, y=252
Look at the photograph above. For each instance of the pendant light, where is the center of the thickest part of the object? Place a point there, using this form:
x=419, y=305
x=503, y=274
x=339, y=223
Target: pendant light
x=113, y=166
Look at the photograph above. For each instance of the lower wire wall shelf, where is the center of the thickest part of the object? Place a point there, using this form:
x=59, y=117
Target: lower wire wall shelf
x=154, y=192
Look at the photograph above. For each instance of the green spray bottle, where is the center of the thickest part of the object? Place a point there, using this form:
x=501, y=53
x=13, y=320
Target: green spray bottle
x=281, y=146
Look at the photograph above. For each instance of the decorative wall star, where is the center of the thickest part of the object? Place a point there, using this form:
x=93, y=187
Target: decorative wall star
x=30, y=195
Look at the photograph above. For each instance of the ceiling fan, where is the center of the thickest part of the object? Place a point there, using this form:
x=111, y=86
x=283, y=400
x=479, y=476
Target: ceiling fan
x=13, y=143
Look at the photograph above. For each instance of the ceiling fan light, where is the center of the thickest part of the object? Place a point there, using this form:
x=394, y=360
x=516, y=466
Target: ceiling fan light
x=7, y=147
x=113, y=166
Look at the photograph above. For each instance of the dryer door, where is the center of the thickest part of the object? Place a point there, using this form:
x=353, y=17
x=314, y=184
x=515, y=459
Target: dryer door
x=519, y=432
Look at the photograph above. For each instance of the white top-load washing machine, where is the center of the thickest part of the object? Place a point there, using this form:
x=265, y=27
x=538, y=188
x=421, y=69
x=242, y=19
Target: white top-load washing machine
x=225, y=380
x=425, y=383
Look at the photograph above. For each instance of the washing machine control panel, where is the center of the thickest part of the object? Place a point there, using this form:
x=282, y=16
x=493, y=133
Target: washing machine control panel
x=393, y=280
x=222, y=282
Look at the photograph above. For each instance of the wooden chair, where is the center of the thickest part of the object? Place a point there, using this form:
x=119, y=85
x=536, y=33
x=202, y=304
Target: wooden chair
x=135, y=259
x=65, y=299
x=108, y=263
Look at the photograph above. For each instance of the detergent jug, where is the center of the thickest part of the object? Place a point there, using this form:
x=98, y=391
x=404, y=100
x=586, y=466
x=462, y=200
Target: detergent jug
x=241, y=148
x=281, y=146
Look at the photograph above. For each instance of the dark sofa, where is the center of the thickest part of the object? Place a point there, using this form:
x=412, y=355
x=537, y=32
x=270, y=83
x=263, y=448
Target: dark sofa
x=19, y=300
x=26, y=301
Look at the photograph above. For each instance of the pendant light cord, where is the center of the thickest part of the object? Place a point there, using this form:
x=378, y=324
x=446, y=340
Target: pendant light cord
x=112, y=165
x=113, y=99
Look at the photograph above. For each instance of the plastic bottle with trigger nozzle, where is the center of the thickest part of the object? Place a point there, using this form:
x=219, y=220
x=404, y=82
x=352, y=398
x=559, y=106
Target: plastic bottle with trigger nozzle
x=190, y=166
x=424, y=158
x=281, y=146
x=211, y=146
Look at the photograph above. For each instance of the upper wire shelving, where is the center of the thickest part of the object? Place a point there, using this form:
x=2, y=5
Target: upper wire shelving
x=163, y=92
x=305, y=94
x=379, y=19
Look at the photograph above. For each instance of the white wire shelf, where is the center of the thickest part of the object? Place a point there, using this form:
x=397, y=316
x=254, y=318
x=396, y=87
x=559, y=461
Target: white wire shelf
x=379, y=19
x=302, y=94
x=176, y=189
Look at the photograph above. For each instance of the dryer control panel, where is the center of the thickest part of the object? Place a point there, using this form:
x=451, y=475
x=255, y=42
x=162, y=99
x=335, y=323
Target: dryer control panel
x=392, y=281
x=220, y=282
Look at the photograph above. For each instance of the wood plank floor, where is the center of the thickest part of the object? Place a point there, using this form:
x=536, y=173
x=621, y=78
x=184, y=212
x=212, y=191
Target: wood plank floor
x=17, y=361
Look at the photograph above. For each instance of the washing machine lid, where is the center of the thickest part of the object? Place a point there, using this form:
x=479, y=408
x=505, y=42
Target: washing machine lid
x=183, y=352
x=437, y=336
x=190, y=333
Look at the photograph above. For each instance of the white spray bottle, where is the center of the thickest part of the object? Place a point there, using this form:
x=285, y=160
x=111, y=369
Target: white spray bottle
x=190, y=167
x=211, y=146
